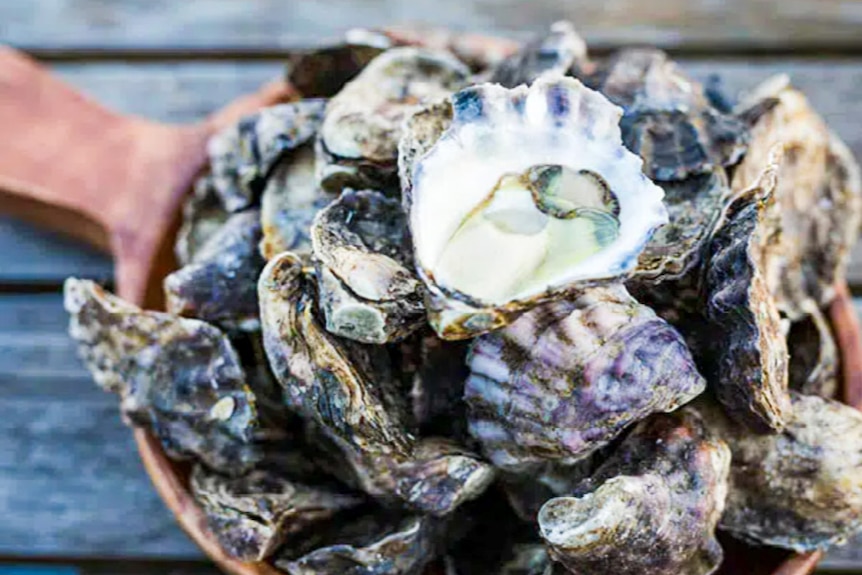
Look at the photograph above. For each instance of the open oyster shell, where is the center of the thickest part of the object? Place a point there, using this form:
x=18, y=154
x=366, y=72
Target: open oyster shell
x=800, y=489
x=368, y=290
x=219, y=284
x=557, y=51
x=566, y=378
x=349, y=391
x=668, y=120
x=254, y=514
x=649, y=510
x=179, y=377
x=358, y=142
x=818, y=193
x=813, y=367
x=242, y=155
x=517, y=179
x=748, y=363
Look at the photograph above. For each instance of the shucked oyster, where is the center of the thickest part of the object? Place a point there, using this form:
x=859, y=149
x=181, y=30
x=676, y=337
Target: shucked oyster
x=568, y=377
x=554, y=52
x=242, y=155
x=801, y=488
x=358, y=141
x=219, y=284
x=252, y=515
x=348, y=390
x=748, y=357
x=668, y=120
x=179, y=377
x=367, y=289
x=649, y=510
x=528, y=194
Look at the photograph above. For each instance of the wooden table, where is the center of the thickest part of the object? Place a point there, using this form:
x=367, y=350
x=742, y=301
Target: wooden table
x=72, y=491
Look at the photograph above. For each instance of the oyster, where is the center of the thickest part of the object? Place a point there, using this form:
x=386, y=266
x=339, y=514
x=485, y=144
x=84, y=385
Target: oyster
x=242, y=155
x=371, y=545
x=748, y=360
x=368, y=290
x=813, y=367
x=529, y=488
x=289, y=202
x=203, y=216
x=668, y=120
x=568, y=377
x=358, y=141
x=649, y=510
x=254, y=514
x=219, y=284
x=556, y=52
x=323, y=72
x=800, y=489
x=818, y=193
x=419, y=133
x=348, y=390
x=519, y=177
x=179, y=377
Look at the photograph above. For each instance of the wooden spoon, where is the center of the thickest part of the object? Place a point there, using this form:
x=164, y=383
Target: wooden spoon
x=117, y=182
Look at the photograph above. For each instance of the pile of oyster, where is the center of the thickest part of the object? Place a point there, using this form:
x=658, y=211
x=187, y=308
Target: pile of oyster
x=522, y=313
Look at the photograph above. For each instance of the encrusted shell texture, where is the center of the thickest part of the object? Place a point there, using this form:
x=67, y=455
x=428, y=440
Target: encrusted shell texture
x=518, y=178
x=555, y=52
x=358, y=142
x=566, y=378
x=179, y=377
x=748, y=359
x=203, y=216
x=649, y=510
x=367, y=288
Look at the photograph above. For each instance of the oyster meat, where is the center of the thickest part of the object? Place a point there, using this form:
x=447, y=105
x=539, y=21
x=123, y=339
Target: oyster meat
x=800, y=489
x=555, y=52
x=649, y=510
x=219, y=285
x=566, y=378
x=242, y=155
x=179, y=377
x=358, y=142
x=519, y=178
x=748, y=359
x=367, y=289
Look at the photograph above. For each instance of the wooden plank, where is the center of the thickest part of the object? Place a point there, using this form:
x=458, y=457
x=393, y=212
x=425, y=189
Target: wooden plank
x=16, y=566
x=271, y=25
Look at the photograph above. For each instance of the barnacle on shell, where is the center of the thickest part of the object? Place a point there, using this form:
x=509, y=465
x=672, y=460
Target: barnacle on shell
x=668, y=120
x=179, y=377
x=242, y=155
x=748, y=363
x=555, y=52
x=566, y=378
x=219, y=284
x=519, y=178
x=349, y=391
x=368, y=290
x=649, y=510
x=813, y=367
x=800, y=489
x=358, y=142
x=254, y=514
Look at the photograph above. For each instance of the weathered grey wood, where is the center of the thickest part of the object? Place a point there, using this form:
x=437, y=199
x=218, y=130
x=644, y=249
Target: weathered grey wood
x=217, y=25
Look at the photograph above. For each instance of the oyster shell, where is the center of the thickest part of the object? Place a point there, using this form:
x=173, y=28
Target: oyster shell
x=668, y=120
x=289, y=202
x=242, y=155
x=179, y=377
x=568, y=377
x=419, y=133
x=748, y=360
x=556, y=52
x=348, y=390
x=518, y=175
x=371, y=545
x=813, y=367
x=368, y=290
x=649, y=510
x=219, y=284
x=323, y=72
x=254, y=514
x=203, y=216
x=800, y=489
x=358, y=141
